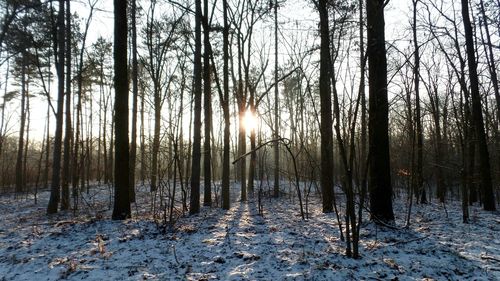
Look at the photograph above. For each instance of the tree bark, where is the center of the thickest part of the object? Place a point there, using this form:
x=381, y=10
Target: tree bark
x=378, y=123
x=477, y=115
x=135, y=93
x=194, y=206
x=418, y=119
x=56, y=165
x=20, y=145
x=276, y=106
x=225, y=109
x=207, y=168
x=68, y=135
x=121, y=208
x=326, y=130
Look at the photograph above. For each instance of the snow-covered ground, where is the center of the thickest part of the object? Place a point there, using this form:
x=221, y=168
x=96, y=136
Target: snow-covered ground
x=241, y=245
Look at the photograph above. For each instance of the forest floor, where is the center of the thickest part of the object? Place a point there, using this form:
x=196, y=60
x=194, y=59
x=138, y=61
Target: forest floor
x=240, y=244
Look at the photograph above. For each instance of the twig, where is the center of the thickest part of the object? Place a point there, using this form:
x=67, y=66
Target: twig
x=175, y=255
x=254, y=150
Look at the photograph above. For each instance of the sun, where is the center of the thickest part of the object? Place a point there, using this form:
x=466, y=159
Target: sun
x=250, y=120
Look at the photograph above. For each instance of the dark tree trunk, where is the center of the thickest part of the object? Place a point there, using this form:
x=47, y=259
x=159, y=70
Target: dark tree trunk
x=326, y=110
x=225, y=109
x=56, y=165
x=156, y=136
x=477, y=115
x=47, y=152
x=378, y=123
x=20, y=145
x=253, y=155
x=135, y=93
x=418, y=119
x=121, y=209
x=276, y=106
x=68, y=132
x=207, y=169
x=196, y=156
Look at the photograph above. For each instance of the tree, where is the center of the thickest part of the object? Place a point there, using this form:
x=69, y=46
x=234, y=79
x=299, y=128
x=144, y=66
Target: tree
x=378, y=123
x=224, y=100
x=56, y=166
x=20, y=148
x=418, y=178
x=68, y=134
x=276, y=106
x=477, y=115
x=207, y=103
x=121, y=209
x=326, y=110
x=197, y=94
x=135, y=94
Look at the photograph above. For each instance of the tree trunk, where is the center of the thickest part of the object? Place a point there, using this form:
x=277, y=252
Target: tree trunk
x=207, y=194
x=253, y=155
x=327, y=183
x=418, y=119
x=477, y=115
x=156, y=136
x=121, y=209
x=276, y=104
x=68, y=132
x=56, y=165
x=196, y=156
x=20, y=146
x=225, y=109
x=135, y=93
x=378, y=123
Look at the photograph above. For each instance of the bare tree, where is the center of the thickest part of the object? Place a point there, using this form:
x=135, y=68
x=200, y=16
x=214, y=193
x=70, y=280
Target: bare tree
x=194, y=206
x=56, y=166
x=121, y=209
x=380, y=171
x=477, y=115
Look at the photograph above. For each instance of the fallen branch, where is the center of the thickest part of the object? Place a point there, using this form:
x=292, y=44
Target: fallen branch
x=486, y=257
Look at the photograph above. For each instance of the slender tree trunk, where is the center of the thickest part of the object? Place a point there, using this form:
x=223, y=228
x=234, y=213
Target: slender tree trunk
x=68, y=133
x=20, y=146
x=418, y=118
x=156, y=137
x=25, y=179
x=327, y=183
x=77, y=165
x=491, y=59
x=143, y=142
x=207, y=194
x=380, y=170
x=196, y=156
x=2, y=116
x=494, y=76
x=439, y=147
x=477, y=115
x=276, y=104
x=253, y=155
x=47, y=151
x=56, y=166
x=121, y=209
x=225, y=109
x=241, y=107
x=135, y=93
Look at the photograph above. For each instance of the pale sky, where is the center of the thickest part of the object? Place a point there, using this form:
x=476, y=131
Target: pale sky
x=296, y=12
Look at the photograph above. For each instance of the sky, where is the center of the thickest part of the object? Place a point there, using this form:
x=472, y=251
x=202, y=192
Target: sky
x=297, y=15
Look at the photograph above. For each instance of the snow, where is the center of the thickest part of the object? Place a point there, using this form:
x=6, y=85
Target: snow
x=240, y=244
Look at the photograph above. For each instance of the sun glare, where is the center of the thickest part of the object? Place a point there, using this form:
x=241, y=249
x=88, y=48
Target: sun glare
x=250, y=120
